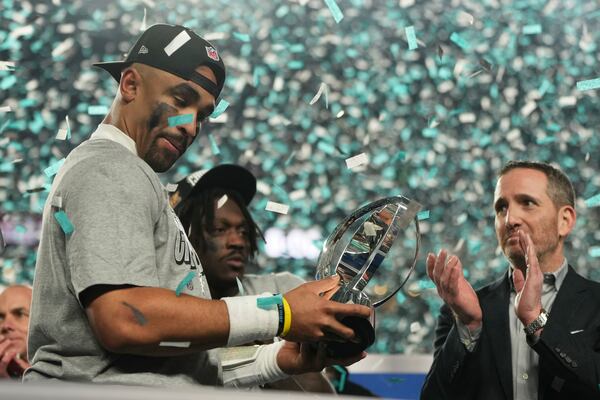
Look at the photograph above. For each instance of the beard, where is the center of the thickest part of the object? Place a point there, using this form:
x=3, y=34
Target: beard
x=545, y=244
x=155, y=157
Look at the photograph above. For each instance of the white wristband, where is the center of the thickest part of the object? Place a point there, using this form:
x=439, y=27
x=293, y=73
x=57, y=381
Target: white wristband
x=251, y=365
x=248, y=322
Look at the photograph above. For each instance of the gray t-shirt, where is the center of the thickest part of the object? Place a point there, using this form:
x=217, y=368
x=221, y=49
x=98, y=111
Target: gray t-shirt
x=280, y=282
x=125, y=233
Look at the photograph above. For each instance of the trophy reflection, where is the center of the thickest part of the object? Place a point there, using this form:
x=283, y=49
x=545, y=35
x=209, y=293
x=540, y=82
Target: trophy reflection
x=365, y=248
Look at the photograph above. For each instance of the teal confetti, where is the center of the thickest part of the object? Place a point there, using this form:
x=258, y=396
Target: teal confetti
x=8, y=82
x=400, y=298
x=214, y=147
x=593, y=201
x=97, y=110
x=335, y=10
x=400, y=156
x=5, y=125
x=188, y=278
x=296, y=64
x=532, y=29
x=244, y=37
x=411, y=37
x=220, y=109
x=423, y=215
x=269, y=301
x=181, y=119
x=53, y=169
x=546, y=140
x=343, y=377
x=459, y=41
x=594, y=251
x=289, y=159
x=588, y=84
x=63, y=220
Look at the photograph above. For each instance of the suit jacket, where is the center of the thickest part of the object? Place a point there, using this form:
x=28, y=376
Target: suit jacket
x=568, y=348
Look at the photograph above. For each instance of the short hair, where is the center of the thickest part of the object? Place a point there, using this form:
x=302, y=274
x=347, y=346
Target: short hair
x=197, y=211
x=559, y=188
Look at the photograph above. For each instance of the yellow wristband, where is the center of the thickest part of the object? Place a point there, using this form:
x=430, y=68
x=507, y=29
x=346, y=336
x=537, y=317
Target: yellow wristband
x=287, y=318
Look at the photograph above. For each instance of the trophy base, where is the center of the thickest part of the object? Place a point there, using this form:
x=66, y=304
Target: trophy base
x=365, y=333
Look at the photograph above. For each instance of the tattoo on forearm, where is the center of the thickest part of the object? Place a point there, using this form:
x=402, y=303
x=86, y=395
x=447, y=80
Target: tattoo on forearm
x=139, y=317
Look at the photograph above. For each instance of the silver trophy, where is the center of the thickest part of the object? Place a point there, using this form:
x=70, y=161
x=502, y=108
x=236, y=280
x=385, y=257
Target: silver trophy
x=368, y=250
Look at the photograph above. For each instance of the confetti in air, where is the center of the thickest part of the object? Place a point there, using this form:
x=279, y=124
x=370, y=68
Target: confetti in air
x=357, y=161
x=532, y=29
x=221, y=202
x=53, y=169
x=214, y=147
x=220, y=108
x=335, y=10
x=411, y=37
x=143, y=25
x=588, y=84
x=277, y=207
x=322, y=89
x=97, y=110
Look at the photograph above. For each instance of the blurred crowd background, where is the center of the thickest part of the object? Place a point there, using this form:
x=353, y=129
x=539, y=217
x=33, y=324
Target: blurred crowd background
x=486, y=81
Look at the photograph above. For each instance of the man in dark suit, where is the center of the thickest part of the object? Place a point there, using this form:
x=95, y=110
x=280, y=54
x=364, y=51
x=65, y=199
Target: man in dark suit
x=535, y=333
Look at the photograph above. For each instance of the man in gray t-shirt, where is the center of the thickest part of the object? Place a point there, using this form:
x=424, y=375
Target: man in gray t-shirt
x=212, y=207
x=119, y=293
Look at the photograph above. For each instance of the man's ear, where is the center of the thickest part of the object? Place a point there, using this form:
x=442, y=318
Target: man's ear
x=129, y=85
x=566, y=220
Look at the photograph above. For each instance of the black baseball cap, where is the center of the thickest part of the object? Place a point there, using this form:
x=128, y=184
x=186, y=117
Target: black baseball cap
x=174, y=49
x=225, y=176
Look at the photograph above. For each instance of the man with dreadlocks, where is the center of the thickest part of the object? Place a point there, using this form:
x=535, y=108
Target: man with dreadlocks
x=212, y=207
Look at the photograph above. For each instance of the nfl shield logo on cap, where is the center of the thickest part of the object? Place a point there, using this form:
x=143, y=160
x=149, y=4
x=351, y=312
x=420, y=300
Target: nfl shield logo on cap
x=212, y=53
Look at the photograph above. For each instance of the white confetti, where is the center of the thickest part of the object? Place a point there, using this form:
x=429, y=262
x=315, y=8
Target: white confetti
x=171, y=187
x=63, y=47
x=466, y=118
x=7, y=66
x=357, y=160
x=567, y=101
x=182, y=38
x=143, y=26
x=175, y=344
x=222, y=201
x=340, y=114
x=22, y=31
x=464, y=18
x=277, y=207
x=56, y=202
x=62, y=134
x=5, y=109
x=216, y=36
x=221, y=119
x=322, y=88
x=528, y=108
